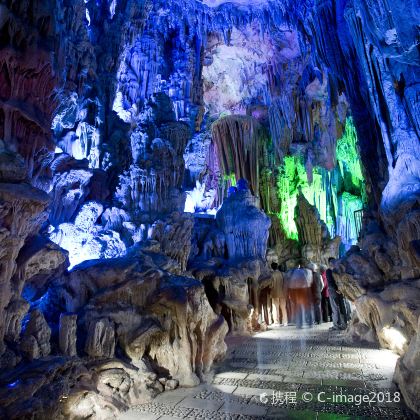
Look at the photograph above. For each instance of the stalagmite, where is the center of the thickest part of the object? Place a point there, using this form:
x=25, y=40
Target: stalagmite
x=67, y=334
x=101, y=339
x=36, y=336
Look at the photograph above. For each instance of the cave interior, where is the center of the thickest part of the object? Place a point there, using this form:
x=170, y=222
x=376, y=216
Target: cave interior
x=157, y=157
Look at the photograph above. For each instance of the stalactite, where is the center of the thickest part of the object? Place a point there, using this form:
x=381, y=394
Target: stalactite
x=336, y=194
x=238, y=140
x=348, y=159
x=281, y=125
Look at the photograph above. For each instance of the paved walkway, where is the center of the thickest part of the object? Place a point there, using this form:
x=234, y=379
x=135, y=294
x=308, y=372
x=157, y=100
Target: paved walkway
x=285, y=373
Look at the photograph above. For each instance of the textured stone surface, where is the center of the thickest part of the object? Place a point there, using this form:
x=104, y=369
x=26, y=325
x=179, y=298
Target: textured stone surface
x=101, y=339
x=407, y=373
x=152, y=315
x=22, y=213
x=280, y=373
x=318, y=246
x=67, y=334
x=36, y=336
x=71, y=388
x=230, y=260
x=161, y=322
x=38, y=261
x=245, y=226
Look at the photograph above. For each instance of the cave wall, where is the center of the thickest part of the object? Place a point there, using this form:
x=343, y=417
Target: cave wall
x=28, y=81
x=381, y=277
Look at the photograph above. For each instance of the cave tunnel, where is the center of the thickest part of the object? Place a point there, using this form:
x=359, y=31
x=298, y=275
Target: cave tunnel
x=209, y=209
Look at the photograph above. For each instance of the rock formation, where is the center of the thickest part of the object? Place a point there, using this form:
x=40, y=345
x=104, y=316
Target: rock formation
x=317, y=245
x=22, y=213
x=231, y=259
x=385, y=291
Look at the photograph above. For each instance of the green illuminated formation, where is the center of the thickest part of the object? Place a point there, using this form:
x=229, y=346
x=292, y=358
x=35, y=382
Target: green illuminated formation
x=337, y=195
x=229, y=180
x=293, y=177
x=348, y=158
x=226, y=181
x=287, y=184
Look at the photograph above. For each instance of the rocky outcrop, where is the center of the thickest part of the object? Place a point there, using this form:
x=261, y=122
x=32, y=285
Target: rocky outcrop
x=153, y=181
x=86, y=239
x=100, y=338
x=231, y=259
x=161, y=322
x=68, y=388
x=386, y=301
x=35, y=343
x=317, y=245
x=174, y=237
x=38, y=261
x=22, y=213
x=407, y=371
x=150, y=315
x=244, y=226
x=312, y=96
x=27, y=82
x=69, y=191
x=67, y=339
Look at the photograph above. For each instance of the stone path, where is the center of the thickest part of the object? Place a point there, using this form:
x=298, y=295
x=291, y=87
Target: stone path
x=285, y=373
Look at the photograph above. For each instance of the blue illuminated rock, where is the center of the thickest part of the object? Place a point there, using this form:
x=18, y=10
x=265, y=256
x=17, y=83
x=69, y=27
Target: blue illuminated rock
x=245, y=226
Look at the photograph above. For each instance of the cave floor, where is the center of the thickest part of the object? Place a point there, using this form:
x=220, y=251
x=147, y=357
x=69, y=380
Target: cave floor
x=286, y=373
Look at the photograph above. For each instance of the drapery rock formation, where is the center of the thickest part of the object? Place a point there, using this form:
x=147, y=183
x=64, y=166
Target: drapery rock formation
x=237, y=141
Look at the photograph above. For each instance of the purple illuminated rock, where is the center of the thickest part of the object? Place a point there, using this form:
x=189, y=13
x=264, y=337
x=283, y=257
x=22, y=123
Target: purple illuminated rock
x=245, y=226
